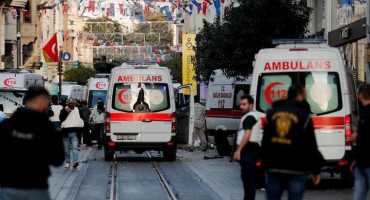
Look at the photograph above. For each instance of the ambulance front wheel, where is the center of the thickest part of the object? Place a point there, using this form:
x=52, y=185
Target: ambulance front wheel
x=169, y=153
x=108, y=155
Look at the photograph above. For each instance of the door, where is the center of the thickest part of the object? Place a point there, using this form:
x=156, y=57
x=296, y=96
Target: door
x=185, y=114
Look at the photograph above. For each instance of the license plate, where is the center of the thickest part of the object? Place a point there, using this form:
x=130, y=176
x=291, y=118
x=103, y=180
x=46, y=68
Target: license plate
x=126, y=137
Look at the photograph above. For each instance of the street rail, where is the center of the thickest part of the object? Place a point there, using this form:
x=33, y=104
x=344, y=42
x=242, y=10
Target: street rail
x=170, y=193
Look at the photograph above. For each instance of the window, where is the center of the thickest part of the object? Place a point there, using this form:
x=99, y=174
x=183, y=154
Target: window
x=323, y=90
x=272, y=87
x=240, y=90
x=11, y=100
x=154, y=95
x=94, y=95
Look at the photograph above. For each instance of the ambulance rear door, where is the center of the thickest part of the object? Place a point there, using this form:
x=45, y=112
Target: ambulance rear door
x=157, y=121
x=125, y=123
x=185, y=114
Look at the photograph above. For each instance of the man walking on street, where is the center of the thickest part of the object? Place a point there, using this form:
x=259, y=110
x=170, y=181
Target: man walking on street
x=71, y=123
x=361, y=164
x=289, y=148
x=248, y=147
x=199, y=124
x=56, y=108
x=29, y=144
x=97, y=118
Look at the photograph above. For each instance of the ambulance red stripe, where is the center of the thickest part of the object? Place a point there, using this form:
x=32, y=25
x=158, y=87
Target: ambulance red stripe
x=117, y=117
x=319, y=122
x=235, y=114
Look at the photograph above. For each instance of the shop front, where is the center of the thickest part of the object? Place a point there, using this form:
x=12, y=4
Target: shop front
x=351, y=39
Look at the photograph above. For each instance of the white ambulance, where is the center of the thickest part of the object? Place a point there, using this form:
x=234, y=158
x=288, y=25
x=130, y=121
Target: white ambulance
x=141, y=111
x=222, y=109
x=13, y=86
x=330, y=88
x=97, y=87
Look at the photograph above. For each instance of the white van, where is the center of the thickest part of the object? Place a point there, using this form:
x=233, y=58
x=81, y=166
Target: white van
x=72, y=90
x=13, y=86
x=97, y=87
x=330, y=89
x=141, y=111
x=222, y=109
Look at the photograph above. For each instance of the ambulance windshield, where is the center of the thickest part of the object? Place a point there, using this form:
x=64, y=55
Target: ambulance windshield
x=323, y=90
x=94, y=95
x=153, y=96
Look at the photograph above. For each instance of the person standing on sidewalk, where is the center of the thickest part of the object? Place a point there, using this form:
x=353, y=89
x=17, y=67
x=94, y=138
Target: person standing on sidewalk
x=97, y=118
x=86, y=112
x=199, y=124
x=360, y=167
x=247, y=151
x=56, y=108
x=71, y=123
x=289, y=148
x=29, y=144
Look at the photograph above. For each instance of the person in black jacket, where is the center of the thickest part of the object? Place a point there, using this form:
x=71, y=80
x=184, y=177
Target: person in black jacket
x=289, y=149
x=361, y=164
x=28, y=145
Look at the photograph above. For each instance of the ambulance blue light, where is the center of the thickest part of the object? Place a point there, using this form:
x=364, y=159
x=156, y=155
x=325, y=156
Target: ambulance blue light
x=298, y=41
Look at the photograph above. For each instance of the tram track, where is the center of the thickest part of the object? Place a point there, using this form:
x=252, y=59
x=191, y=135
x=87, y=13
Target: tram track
x=166, y=186
x=113, y=189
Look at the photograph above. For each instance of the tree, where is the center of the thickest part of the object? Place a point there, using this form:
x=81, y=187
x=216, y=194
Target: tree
x=79, y=75
x=102, y=66
x=231, y=44
x=175, y=64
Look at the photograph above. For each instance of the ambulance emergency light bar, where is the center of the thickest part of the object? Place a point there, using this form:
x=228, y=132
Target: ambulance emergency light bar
x=140, y=62
x=298, y=41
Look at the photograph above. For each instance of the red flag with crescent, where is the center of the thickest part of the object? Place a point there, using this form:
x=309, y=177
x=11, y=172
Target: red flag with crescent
x=50, y=50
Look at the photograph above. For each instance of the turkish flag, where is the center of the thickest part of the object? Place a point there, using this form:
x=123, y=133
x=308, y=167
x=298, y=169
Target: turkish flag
x=51, y=49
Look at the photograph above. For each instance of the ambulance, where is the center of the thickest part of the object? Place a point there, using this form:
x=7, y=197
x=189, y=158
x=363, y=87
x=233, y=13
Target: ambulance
x=97, y=87
x=330, y=89
x=141, y=111
x=13, y=86
x=223, y=108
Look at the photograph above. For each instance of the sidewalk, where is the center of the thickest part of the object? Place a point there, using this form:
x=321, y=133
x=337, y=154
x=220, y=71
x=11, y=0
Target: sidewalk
x=223, y=177
x=63, y=184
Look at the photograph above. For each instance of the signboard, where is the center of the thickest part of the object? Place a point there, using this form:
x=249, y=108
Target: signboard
x=67, y=56
x=188, y=53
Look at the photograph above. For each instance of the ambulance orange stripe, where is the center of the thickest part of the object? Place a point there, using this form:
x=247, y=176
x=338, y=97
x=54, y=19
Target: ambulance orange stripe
x=116, y=117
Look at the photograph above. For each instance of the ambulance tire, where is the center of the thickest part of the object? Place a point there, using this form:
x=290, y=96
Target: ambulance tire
x=222, y=144
x=108, y=155
x=169, y=153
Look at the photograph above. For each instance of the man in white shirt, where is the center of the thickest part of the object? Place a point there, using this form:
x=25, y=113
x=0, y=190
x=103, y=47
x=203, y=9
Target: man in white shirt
x=56, y=108
x=97, y=117
x=248, y=147
x=71, y=124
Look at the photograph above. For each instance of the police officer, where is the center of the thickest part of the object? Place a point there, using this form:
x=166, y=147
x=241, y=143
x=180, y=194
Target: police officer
x=289, y=148
x=248, y=147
